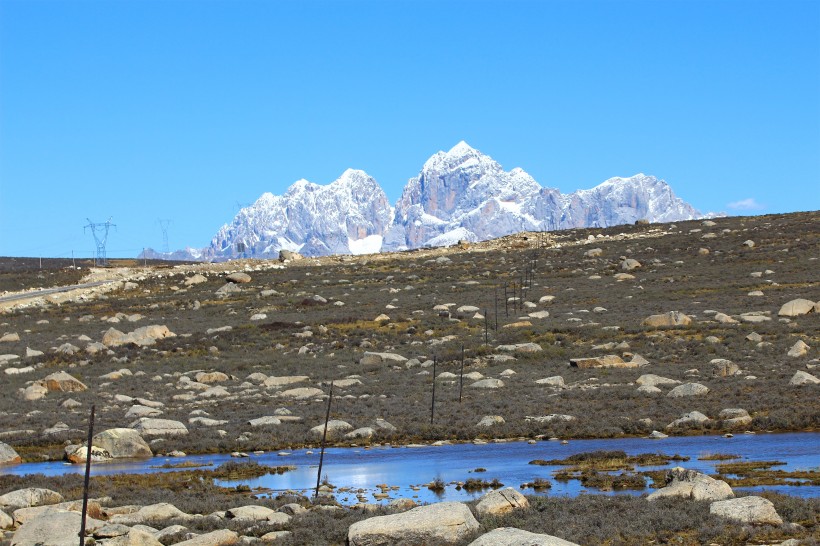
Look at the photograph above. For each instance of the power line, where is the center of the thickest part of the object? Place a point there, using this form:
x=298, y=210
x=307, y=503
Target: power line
x=100, y=233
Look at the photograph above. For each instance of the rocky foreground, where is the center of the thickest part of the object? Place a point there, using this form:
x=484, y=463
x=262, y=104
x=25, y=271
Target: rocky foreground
x=42, y=517
x=645, y=330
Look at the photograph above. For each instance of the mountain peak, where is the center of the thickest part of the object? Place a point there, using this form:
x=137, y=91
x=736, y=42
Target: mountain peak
x=461, y=149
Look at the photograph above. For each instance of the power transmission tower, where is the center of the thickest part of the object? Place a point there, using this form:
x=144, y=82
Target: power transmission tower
x=163, y=225
x=100, y=233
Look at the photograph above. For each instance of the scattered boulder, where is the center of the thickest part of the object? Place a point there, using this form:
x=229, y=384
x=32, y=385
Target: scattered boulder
x=606, y=361
x=227, y=289
x=289, y=256
x=238, y=278
x=803, y=378
x=520, y=348
x=439, y=523
x=302, y=393
x=798, y=349
x=593, y=252
x=149, y=515
x=266, y=421
x=52, y=528
x=689, y=419
x=688, y=389
x=142, y=337
x=672, y=319
x=724, y=318
x=250, y=513
x=211, y=377
x=490, y=420
x=691, y=484
x=195, y=279
x=724, y=368
x=148, y=426
x=32, y=496
x=754, y=510
x=364, y=433
x=510, y=536
x=370, y=359
x=652, y=380
x=10, y=337
x=336, y=430
x=488, y=383
x=5, y=521
x=8, y=455
x=63, y=382
x=735, y=417
x=554, y=381
x=122, y=443
x=795, y=308
x=500, y=502
x=284, y=380
x=629, y=264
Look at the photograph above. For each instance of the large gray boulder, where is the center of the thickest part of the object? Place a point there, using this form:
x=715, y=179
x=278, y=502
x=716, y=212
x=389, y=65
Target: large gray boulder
x=691, y=484
x=239, y=277
x=803, y=378
x=122, y=443
x=150, y=515
x=32, y=496
x=500, y=502
x=336, y=430
x=53, y=528
x=158, y=427
x=688, y=389
x=754, y=510
x=8, y=455
x=689, y=419
x=510, y=536
x=133, y=537
x=795, y=308
x=223, y=537
x=440, y=523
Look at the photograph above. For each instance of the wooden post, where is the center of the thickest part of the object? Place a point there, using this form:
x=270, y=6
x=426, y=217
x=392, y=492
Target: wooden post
x=496, y=308
x=486, y=326
x=324, y=437
x=461, y=375
x=433, y=402
x=87, y=475
x=506, y=306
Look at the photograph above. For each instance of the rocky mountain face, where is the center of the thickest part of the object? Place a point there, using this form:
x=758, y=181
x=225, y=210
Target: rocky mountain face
x=461, y=194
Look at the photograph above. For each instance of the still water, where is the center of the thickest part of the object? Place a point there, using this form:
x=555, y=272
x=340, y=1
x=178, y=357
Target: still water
x=410, y=468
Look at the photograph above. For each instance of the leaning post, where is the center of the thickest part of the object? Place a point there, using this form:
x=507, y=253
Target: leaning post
x=324, y=437
x=87, y=474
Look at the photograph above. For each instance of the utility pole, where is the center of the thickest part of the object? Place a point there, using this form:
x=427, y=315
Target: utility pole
x=163, y=225
x=100, y=233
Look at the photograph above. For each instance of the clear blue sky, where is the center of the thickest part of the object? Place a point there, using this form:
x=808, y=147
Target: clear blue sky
x=140, y=110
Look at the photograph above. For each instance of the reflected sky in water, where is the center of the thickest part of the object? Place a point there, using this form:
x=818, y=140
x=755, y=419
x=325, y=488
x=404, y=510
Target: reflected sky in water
x=410, y=468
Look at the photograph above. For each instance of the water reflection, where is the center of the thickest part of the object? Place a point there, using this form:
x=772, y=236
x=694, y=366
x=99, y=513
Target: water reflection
x=361, y=470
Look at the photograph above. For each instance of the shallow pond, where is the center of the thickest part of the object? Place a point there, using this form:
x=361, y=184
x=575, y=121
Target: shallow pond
x=408, y=469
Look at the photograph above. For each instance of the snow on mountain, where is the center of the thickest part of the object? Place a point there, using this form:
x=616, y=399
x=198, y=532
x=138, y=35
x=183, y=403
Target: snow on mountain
x=461, y=194
x=349, y=215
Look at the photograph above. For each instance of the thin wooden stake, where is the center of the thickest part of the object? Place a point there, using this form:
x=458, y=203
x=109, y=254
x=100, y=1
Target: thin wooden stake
x=506, y=300
x=486, y=326
x=461, y=375
x=496, y=308
x=433, y=403
x=324, y=437
x=87, y=474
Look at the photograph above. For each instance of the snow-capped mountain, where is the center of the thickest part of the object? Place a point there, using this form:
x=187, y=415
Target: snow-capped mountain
x=347, y=216
x=461, y=194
